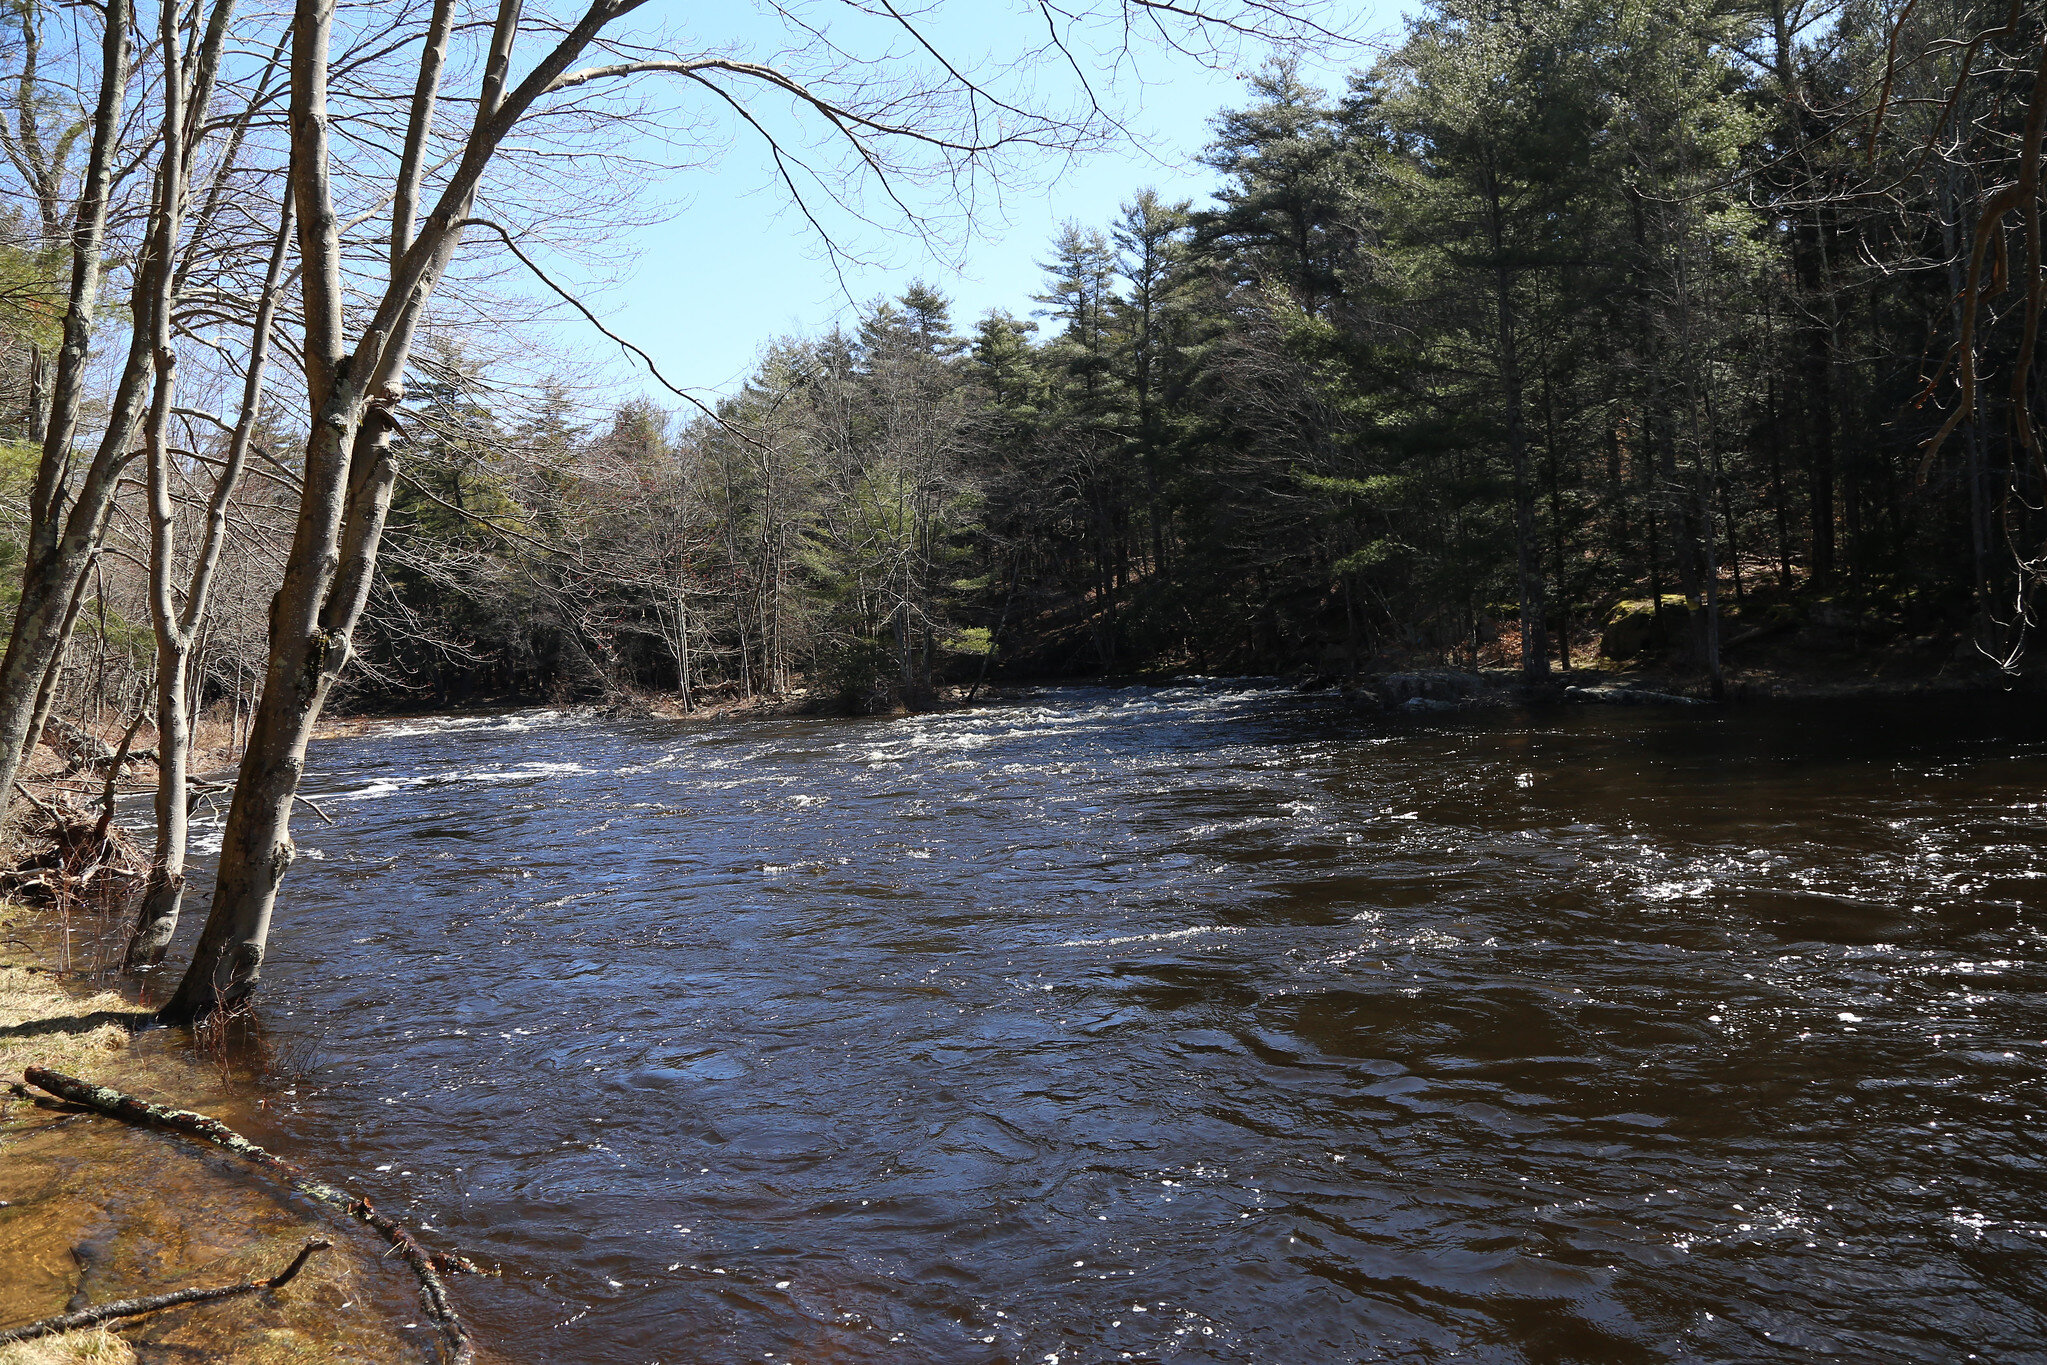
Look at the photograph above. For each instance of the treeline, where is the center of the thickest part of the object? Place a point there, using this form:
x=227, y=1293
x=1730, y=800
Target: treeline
x=1718, y=315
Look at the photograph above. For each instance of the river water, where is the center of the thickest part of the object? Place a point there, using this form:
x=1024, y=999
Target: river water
x=1203, y=1023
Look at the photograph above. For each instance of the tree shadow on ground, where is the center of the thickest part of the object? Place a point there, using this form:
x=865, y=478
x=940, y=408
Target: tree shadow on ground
x=133, y=1020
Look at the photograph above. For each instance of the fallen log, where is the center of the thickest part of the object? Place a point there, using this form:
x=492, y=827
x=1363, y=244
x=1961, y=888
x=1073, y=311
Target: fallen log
x=78, y=747
x=132, y=1308
x=428, y=1266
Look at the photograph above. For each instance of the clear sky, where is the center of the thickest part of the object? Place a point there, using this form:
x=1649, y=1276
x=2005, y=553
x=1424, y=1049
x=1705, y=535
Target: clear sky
x=726, y=267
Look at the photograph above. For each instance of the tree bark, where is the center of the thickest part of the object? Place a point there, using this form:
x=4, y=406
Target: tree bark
x=310, y=619
x=163, y=893
x=349, y=473
x=53, y=559
x=165, y=885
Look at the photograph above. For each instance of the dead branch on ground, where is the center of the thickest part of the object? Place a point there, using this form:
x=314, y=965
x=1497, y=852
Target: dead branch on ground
x=130, y=1308
x=81, y=850
x=428, y=1266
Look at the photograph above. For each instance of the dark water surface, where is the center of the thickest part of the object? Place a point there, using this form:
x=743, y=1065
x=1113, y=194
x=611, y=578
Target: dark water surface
x=1201, y=1024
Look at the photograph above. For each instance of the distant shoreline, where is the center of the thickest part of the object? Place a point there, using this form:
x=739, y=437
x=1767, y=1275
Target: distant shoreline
x=1386, y=690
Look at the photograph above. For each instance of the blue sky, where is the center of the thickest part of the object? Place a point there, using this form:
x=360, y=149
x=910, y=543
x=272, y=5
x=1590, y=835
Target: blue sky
x=725, y=268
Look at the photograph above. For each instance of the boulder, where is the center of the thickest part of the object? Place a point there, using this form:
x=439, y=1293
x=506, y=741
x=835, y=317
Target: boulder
x=1638, y=628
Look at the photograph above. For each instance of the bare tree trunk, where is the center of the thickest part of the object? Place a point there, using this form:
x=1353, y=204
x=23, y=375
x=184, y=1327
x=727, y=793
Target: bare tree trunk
x=53, y=673
x=311, y=618
x=1716, y=678
x=54, y=559
x=349, y=474
x=688, y=680
x=412, y=166
x=1527, y=549
x=166, y=882
x=59, y=561
x=1954, y=229
x=1559, y=536
x=163, y=893
x=36, y=420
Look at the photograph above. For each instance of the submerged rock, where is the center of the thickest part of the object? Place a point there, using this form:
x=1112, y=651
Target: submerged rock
x=1450, y=686
x=1628, y=696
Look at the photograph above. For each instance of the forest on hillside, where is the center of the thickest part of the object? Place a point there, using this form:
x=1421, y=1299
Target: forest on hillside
x=1559, y=310
x=1556, y=316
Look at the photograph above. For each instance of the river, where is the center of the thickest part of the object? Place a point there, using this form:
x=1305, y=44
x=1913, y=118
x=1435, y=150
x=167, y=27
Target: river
x=1200, y=1023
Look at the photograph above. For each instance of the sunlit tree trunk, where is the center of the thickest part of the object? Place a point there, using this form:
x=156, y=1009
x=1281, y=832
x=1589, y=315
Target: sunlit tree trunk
x=349, y=470
x=163, y=892
x=65, y=521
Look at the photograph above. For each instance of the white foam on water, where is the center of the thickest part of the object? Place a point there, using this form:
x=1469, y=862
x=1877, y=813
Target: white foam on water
x=381, y=787
x=1167, y=936
x=1678, y=890
x=1231, y=826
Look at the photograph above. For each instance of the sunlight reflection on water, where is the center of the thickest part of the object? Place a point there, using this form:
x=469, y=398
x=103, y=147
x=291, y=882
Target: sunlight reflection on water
x=1203, y=1023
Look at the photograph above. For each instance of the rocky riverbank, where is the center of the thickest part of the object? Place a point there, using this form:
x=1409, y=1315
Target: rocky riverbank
x=1445, y=689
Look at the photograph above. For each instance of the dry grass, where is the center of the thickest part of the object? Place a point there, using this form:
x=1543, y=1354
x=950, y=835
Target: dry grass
x=85, y=1030
x=213, y=742
x=96, y=1346
x=36, y=997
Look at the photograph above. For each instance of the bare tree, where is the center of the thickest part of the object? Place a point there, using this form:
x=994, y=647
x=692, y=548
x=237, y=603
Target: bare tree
x=177, y=625
x=68, y=511
x=937, y=119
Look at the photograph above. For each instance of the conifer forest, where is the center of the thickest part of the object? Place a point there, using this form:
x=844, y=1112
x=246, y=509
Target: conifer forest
x=1551, y=309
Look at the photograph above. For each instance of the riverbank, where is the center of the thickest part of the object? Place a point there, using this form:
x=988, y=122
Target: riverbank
x=92, y=1210
x=1771, y=656
x=1775, y=646
x=1409, y=691
x=1426, y=689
